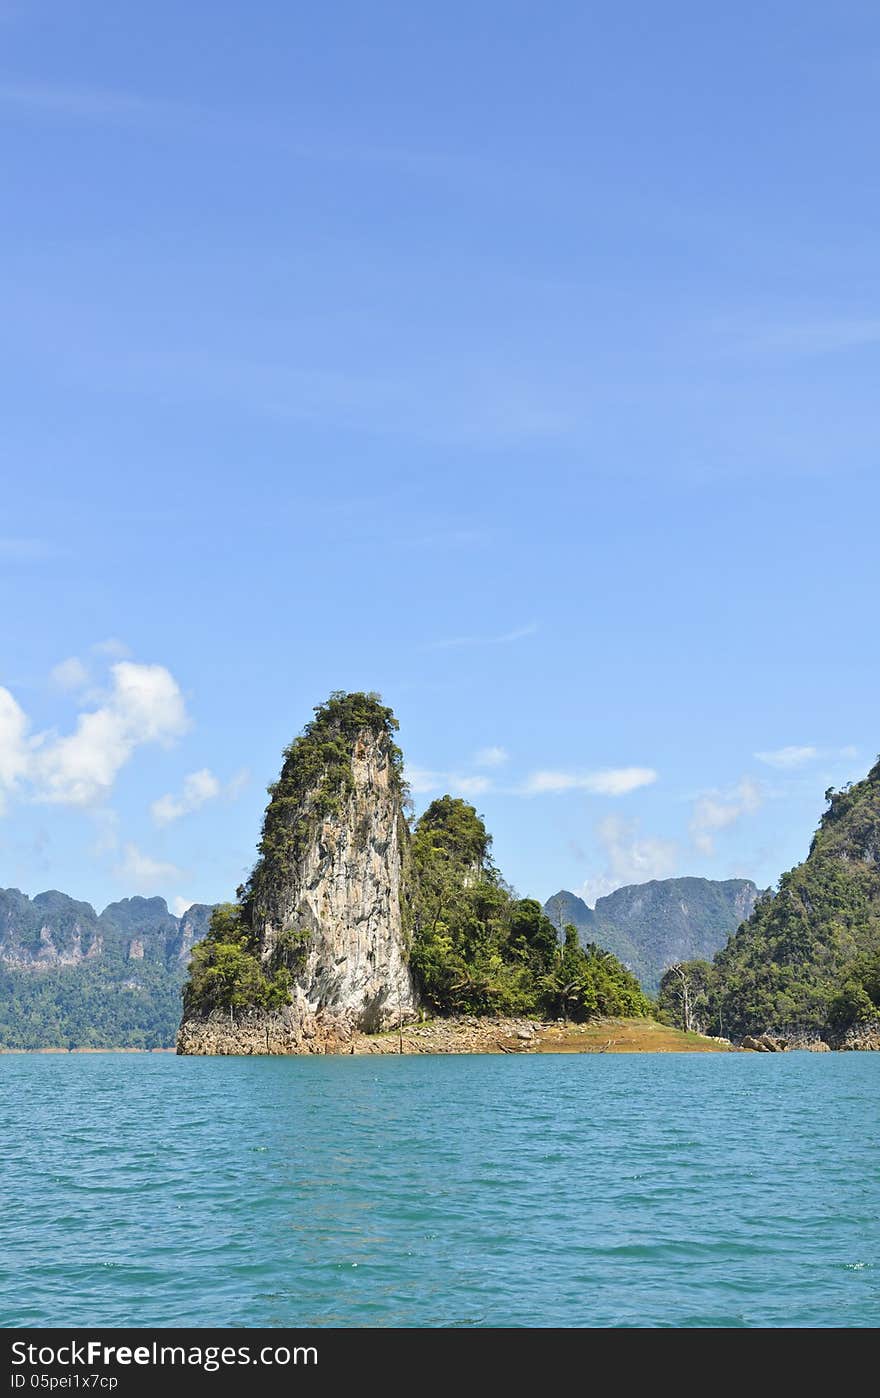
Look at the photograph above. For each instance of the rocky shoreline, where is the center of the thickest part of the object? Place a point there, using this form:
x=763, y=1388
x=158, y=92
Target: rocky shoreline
x=286, y=1033
x=859, y=1038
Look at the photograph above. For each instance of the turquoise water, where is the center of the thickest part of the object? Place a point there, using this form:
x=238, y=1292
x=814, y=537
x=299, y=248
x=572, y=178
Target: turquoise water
x=687, y=1190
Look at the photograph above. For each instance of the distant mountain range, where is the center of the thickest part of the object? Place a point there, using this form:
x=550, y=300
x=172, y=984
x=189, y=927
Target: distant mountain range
x=650, y=926
x=72, y=978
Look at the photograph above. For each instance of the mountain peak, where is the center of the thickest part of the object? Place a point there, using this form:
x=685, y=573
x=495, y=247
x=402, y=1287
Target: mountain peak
x=650, y=926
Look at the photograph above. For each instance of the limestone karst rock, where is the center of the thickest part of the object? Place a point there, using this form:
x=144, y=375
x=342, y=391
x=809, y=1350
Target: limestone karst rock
x=326, y=898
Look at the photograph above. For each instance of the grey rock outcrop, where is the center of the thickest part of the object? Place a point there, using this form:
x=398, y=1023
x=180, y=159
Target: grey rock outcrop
x=345, y=891
x=326, y=900
x=764, y=1043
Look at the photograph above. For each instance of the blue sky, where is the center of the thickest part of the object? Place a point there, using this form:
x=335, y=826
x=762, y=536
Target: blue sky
x=516, y=361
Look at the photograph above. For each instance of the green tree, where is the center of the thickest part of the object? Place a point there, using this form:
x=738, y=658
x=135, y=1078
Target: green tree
x=226, y=972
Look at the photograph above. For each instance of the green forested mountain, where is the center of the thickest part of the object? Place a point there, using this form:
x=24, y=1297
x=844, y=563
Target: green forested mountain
x=650, y=926
x=70, y=978
x=809, y=956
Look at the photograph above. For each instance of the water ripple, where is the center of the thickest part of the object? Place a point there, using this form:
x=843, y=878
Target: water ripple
x=669, y=1190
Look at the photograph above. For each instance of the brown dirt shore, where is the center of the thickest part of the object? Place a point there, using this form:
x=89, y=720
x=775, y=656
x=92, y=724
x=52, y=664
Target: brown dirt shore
x=473, y=1035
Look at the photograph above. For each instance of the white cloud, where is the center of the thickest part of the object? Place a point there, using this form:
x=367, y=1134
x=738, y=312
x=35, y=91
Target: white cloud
x=788, y=757
x=506, y=637
x=620, y=781
x=143, y=873
x=145, y=705
x=791, y=757
x=616, y=781
x=179, y=905
x=714, y=811
x=490, y=757
x=470, y=786
x=629, y=858
x=198, y=788
x=423, y=782
x=237, y=784
x=116, y=649
x=14, y=746
x=70, y=674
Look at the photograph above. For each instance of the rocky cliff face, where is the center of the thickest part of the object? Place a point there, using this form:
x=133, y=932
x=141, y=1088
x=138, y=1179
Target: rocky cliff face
x=344, y=891
x=53, y=931
x=326, y=899
x=48, y=931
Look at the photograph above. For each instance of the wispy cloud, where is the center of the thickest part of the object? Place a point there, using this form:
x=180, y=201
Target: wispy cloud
x=424, y=782
x=79, y=101
x=112, y=647
x=791, y=757
x=615, y=781
x=506, y=638
x=101, y=104
x=144, y=873
x=198, y=789
x=471, y=786
x=825, y=335
x=788, y=757
x=70, y=674
x=389, y=396
x=491, y=757
x=629, y=857
x=717, y=810
x=26, y=550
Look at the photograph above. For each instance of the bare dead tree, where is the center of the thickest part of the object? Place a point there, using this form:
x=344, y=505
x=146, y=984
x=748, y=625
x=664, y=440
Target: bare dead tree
x=685, y=990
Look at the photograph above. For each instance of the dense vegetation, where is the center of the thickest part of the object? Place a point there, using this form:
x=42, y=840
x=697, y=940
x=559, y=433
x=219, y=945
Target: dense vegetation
x=125, y=993
x=809, y=957
x=652, y=925
x=478, y=949
x=89, y=1007
x=226, y=973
